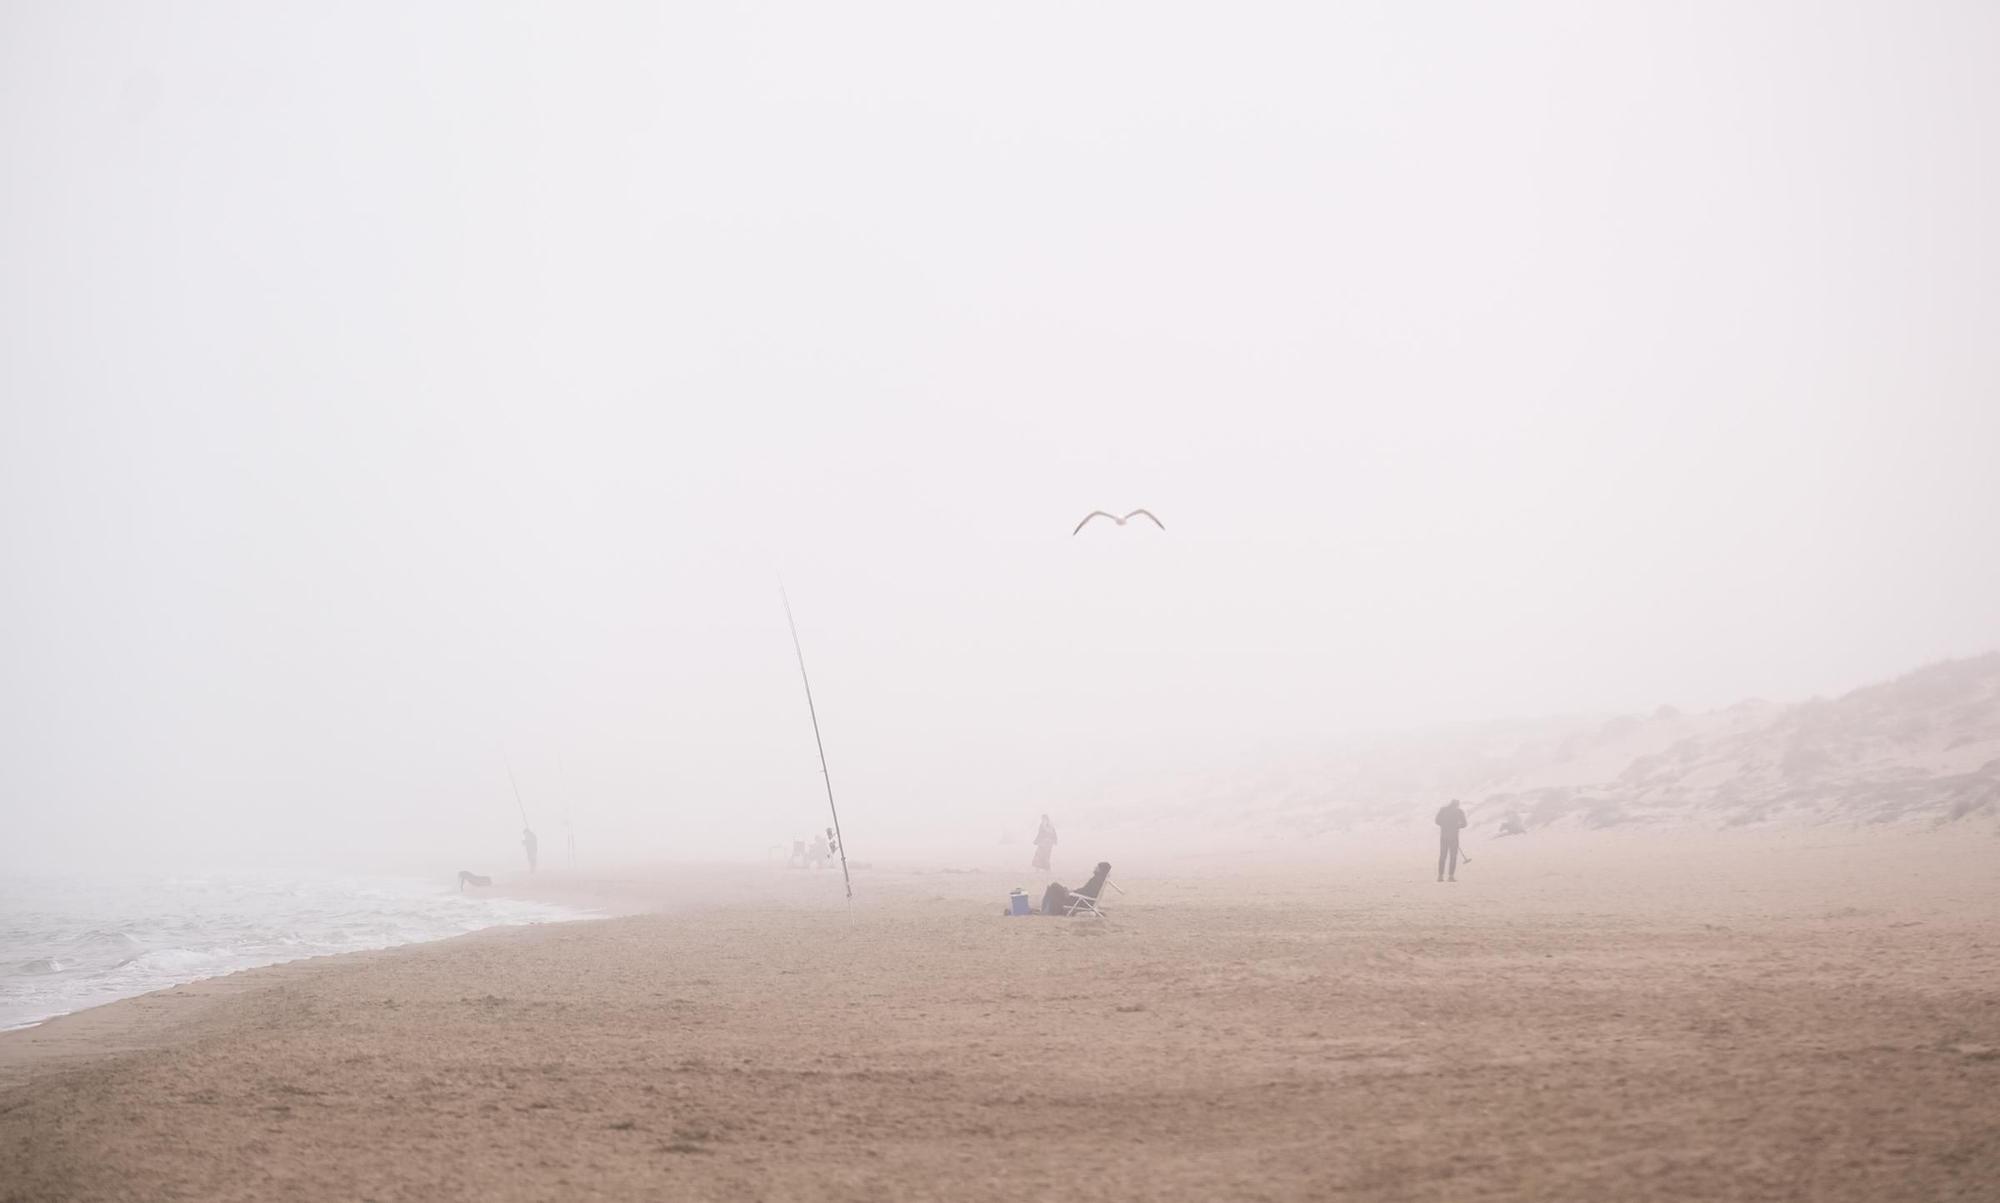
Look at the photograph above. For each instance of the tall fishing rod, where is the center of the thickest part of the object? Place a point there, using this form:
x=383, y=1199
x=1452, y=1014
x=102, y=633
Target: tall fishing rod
x=517, y=788
x=839, y=841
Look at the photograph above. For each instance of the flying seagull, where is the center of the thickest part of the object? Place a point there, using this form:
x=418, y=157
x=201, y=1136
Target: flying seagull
x=1115, y=518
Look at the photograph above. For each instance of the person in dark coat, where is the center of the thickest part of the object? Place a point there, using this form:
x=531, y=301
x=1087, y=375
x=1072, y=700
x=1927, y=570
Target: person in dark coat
x=1450, y=820
x=1057, y=898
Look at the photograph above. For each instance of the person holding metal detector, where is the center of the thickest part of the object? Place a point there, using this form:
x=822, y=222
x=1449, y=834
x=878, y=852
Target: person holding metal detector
x=1450, y=821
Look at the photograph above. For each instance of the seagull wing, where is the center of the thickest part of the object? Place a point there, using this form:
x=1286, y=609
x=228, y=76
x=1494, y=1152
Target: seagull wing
x=1147, y=513
x=1094, y=514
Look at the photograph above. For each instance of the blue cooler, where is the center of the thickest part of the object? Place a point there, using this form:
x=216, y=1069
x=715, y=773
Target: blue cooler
x=1017, y=904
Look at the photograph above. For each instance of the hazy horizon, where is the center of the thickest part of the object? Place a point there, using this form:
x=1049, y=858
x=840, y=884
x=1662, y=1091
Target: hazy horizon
x=393, y=392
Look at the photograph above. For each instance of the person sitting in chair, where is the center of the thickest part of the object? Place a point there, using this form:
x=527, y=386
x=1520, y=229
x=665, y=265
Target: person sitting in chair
x=1058, y=900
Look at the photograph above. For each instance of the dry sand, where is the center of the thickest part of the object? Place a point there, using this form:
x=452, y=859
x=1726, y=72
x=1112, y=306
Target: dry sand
x=1812, y=1016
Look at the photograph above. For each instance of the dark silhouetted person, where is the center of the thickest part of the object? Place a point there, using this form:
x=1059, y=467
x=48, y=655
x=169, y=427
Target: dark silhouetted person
x=1045, y=843
x=1450, y=821
x=531, y=846
x=1056, y=900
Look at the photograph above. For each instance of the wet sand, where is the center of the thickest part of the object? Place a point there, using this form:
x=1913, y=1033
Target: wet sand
x=1617, y=1016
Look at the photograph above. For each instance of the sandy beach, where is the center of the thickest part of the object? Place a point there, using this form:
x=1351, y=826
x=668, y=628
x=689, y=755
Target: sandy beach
x=1803, y=1015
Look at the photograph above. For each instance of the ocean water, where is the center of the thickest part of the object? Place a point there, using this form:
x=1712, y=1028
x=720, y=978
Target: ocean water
x=69, y=943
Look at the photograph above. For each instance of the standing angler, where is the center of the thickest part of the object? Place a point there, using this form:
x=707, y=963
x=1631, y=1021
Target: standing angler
x=1450, y=819
x=1045, y=843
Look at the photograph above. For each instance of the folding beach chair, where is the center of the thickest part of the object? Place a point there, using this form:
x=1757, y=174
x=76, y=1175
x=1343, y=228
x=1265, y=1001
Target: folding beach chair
x=1083, y=906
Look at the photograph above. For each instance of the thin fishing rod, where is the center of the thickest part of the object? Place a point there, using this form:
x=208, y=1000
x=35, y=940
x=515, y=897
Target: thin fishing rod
x=517, y=788
x=839, y=841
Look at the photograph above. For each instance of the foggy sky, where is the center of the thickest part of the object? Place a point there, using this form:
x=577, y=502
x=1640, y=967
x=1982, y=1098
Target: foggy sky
x=391, y=390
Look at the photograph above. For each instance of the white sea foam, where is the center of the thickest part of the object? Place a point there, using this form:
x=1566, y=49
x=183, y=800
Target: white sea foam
x=66, y=944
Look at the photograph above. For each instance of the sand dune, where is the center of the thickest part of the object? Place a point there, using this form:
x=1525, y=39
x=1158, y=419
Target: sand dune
x=1922, y=748
x=1604, y=1016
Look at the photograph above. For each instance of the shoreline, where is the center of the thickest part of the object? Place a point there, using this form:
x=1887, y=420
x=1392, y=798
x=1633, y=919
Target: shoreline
x=134, y=1021
x=230, y=927
x=148, y=1021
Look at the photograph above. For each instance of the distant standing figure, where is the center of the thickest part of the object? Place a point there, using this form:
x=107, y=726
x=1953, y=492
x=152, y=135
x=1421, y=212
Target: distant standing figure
x=1045, y=842
x=530, y=845
x=1450, y=820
